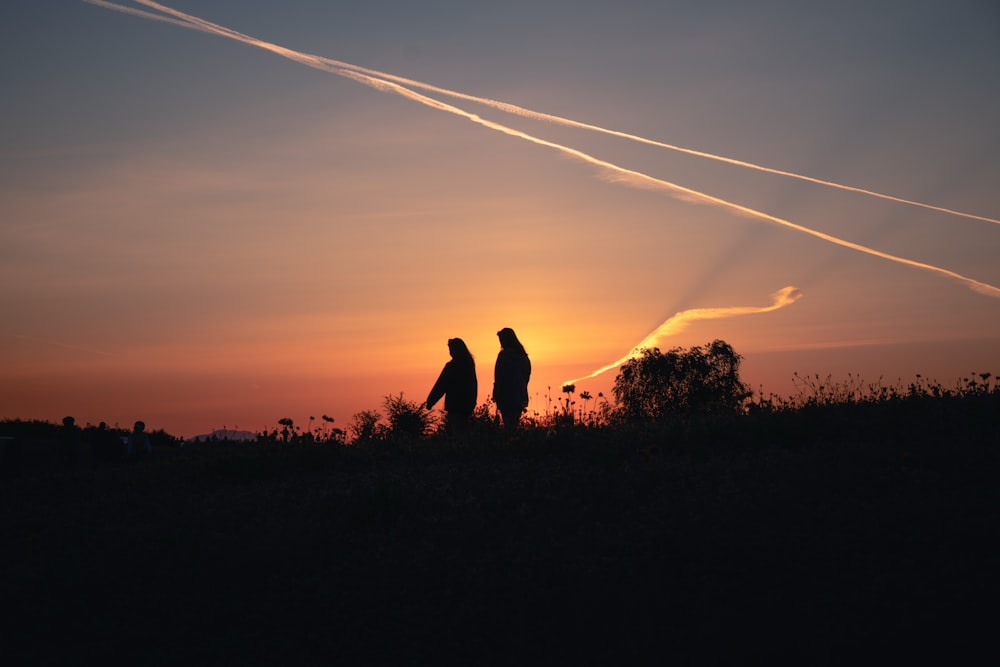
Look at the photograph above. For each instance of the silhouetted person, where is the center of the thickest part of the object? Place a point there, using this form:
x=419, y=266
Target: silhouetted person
x=457, y=383
x=105, y=445
x=68, y=442
x=138, y=442
x=510, y=378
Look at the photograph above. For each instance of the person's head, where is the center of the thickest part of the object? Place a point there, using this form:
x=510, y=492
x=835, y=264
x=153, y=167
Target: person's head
x=458, y=349
x=509, y=341
x=102, y=426
x=68, y=421
x=140, y=427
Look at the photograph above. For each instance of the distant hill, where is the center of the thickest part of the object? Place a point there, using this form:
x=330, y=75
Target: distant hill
x=225, y=434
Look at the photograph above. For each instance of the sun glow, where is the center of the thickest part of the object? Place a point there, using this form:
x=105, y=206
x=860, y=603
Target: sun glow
x=244, y=233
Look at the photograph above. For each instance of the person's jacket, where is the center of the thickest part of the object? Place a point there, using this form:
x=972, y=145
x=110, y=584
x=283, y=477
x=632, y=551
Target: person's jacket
x=510, y=380
x=457, y=383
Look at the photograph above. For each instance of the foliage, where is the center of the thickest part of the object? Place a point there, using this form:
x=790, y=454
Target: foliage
x=813, y=392
x=408, y=420
x=289, y=433
x=366, y=426
x=683, y=399
x=160, y=438
x=700, y=381
x=601, y=536
x=405, y=421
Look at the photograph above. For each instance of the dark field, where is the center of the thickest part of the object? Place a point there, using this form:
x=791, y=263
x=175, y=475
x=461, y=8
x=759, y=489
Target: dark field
x=845, y=533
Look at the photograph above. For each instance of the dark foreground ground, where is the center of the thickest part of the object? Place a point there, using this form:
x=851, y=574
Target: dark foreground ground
x=620, y=548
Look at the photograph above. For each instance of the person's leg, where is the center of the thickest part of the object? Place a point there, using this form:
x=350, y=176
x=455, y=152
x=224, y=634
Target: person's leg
x=511, y=418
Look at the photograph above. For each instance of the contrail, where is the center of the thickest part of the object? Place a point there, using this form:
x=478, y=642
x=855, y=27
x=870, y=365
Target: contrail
x=783, y=297
x=187, y=20
x=615, y=173
x=146, y=15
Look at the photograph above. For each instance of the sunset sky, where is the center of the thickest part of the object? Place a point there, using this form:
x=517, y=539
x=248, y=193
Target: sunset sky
x=200, y=233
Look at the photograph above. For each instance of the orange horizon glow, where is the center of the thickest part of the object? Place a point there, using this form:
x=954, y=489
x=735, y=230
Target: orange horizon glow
x=202, y=235
x=255, y=399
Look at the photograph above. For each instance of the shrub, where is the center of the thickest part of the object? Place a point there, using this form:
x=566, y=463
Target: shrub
x=366, y=426
x=408, y=420
x=700, y=381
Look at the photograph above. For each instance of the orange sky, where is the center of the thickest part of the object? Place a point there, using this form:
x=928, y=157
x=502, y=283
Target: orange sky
x=209, y=235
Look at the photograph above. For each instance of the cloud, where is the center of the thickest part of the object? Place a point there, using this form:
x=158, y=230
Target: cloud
x=615, y=173
x=187, y=20
x=680, y=321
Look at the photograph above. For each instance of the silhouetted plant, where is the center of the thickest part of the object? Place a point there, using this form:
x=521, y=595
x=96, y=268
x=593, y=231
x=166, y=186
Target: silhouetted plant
x=701, y=380
x=287, y=431
x=408, y=419
x=604, y=410
x=366, y=426
x=566, y=417
x=484, y=417
x=160, y=438
x=330, y=433
x=828, y=391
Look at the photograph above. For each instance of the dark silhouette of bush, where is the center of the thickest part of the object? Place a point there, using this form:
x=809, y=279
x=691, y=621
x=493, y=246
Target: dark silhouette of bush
x=408, y=420
x=366, y=426
x=700, y=381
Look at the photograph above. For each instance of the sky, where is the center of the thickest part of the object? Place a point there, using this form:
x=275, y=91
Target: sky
x=203, y=231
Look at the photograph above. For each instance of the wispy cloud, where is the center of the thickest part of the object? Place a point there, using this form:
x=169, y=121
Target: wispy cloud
x=615, y=173
x=144, y=14
x=680, y=321
x=329, y=64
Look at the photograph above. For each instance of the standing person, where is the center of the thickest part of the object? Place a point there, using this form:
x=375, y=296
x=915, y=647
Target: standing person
x=510, y=378
x=138, y=442
x=457, y=383
x=68, y=443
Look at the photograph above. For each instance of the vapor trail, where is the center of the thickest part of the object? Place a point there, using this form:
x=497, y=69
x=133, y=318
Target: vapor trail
x=144, y=14
x=182, y=18
x=783, y=297
x=615, y=173
x=568, y=122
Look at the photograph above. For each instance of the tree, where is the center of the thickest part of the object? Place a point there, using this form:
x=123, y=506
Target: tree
x=702, y=380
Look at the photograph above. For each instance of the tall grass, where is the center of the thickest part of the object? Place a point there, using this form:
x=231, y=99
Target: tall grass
x=819, y=408
x=800, y=530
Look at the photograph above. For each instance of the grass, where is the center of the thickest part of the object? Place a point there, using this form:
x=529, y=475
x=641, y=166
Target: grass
x=811, y=530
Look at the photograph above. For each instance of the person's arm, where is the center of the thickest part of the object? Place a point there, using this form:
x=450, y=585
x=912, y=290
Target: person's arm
x=439, y=388
x=527, y=377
